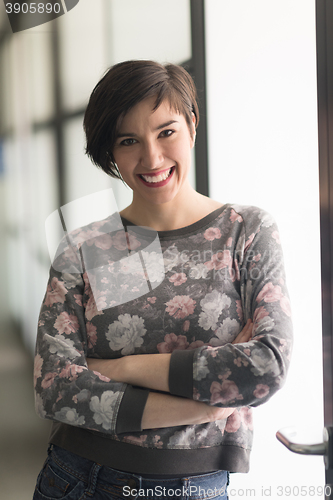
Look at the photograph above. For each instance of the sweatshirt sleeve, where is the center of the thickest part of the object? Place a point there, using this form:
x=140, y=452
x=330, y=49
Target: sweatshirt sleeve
x=232, y=375
x=65, y=389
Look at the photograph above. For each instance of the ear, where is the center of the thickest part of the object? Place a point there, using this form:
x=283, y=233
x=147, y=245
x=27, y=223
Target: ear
x=193, y=124
x=194, y=120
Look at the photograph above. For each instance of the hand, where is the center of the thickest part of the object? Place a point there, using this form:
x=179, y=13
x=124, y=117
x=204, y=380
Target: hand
x=246, y=334
x=106, y=367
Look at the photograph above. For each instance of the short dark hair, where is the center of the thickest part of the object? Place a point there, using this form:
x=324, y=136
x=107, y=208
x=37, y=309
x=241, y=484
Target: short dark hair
x=122, y=87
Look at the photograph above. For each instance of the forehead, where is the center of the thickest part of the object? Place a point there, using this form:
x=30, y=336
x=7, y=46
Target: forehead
x=144, y=112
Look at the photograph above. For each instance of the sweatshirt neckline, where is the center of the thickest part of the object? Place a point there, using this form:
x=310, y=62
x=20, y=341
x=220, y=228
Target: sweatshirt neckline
x=182, y=231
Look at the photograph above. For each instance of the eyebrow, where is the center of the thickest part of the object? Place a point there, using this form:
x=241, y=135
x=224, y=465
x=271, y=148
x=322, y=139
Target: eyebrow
x=163, y=125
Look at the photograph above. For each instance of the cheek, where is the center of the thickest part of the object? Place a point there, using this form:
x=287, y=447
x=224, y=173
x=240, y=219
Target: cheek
x=124, y=161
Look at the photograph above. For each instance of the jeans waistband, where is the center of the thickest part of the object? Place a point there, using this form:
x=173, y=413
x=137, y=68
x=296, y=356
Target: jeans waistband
x=81, y=468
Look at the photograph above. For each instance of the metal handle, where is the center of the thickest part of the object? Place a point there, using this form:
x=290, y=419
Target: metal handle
x=287, y=436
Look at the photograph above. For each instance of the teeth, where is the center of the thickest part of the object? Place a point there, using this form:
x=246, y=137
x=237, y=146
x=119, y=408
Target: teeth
x=156, y=178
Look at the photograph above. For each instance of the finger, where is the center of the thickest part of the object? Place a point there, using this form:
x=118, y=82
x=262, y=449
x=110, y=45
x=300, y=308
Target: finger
x=247, y=331
x=245, y=334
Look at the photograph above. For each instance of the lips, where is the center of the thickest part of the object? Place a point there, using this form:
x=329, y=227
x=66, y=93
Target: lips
x=157, y=179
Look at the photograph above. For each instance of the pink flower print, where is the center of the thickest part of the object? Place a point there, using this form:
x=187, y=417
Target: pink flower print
x=224, y=393
x=119, y=240
x=172, y=343
x=234, y=216
x=56, y=292
x=283, y=345
x=270, y=293
x=101, y=377
x=178, y=278
x=285, y=305
x=78, y=299
x=239, y=310
x=259, y=314
x=247, y=352
x=38, y=368
x=91, y=309
x=97, y=224
x=233, y=422
x=220, y=260
x=212, y=233
x=157, y=441
x=66, y=323
x=186, y=325
x=71, y=371
x=101, y=302
x=195, y=344
x=248, y=242
x=136, y=440
x=88, y=236
x=152, y=300
x=276, y=236
x=103, y=241
x=261, y=391
x=122, y=241
x=48, y=380
x=229, y=242
x=246, y=417
x=180, y=306
x=132, y=242
x=238, y=361
x=196, y=394
x=91, y=334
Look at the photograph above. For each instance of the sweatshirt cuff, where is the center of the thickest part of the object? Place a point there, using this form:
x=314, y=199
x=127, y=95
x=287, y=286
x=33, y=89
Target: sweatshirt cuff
x=131, y=409
x=181, y=373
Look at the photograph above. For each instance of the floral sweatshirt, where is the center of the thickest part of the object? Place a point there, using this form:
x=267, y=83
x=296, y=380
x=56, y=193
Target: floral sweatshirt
x=116, y=289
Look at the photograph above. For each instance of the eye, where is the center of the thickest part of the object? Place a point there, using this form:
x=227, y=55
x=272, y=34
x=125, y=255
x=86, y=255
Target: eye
x=166, y=133
x=128, y=142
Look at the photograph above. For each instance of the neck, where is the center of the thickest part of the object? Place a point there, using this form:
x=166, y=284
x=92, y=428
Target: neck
x=180, y=212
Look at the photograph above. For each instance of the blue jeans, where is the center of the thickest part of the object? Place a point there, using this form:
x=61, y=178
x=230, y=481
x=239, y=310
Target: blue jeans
x=67, y=476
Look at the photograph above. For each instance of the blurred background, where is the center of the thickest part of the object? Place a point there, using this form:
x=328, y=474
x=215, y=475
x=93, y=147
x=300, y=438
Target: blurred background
x=254, y=62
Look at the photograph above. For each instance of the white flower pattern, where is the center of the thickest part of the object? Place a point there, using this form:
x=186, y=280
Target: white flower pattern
x=69, y=416
x=212, y=305
x=126, y=333
x=104, y=408
x=61, y=346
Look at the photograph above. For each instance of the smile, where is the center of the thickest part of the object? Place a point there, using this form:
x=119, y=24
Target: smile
x=157, y=180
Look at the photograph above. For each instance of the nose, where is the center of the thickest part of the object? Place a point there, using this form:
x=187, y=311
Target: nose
x=152, y=156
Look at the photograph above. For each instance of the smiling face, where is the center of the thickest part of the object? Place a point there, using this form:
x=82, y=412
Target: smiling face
x=153, y=152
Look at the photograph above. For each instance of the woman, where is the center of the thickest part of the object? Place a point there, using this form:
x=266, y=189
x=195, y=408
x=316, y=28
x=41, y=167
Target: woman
x=151, y=389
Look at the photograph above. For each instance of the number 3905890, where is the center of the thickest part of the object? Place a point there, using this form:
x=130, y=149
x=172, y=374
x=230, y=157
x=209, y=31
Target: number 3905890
x=32, y=8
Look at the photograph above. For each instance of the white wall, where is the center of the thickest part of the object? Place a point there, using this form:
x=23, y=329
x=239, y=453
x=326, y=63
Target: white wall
x=262, y=119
